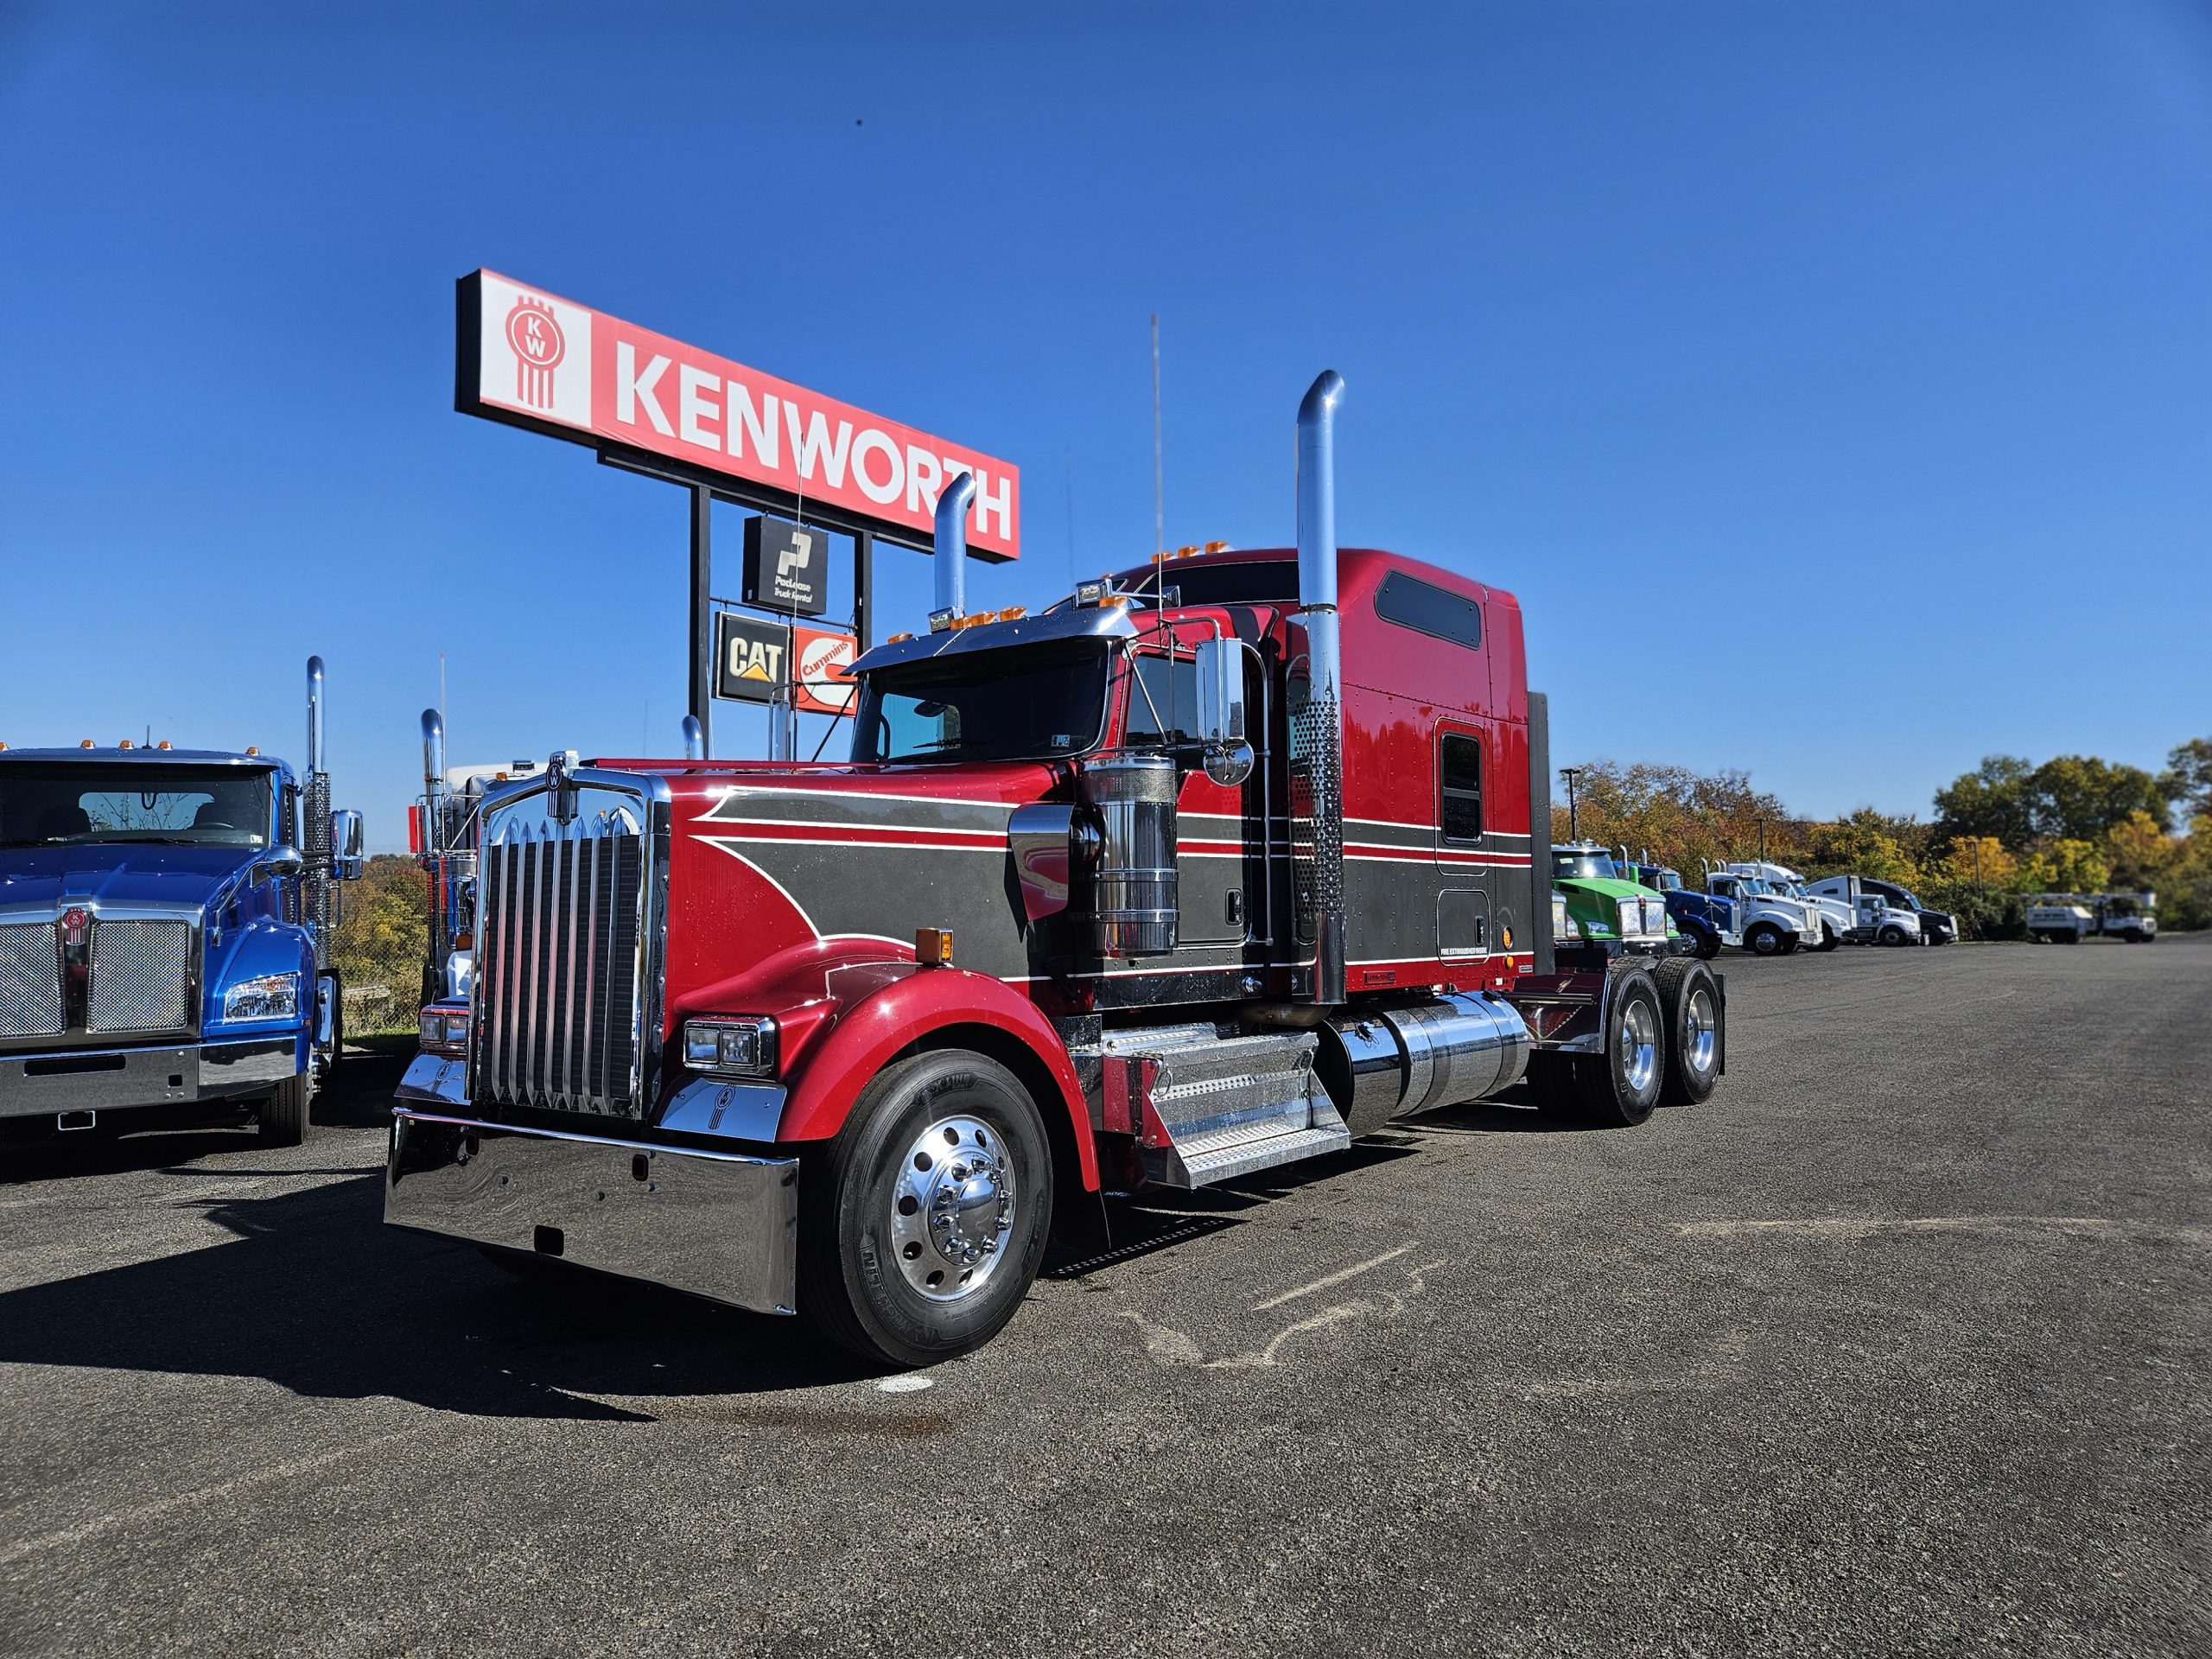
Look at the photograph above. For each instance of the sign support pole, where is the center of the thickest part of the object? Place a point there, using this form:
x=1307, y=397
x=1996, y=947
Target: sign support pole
x=703, y=612
x=863, y=584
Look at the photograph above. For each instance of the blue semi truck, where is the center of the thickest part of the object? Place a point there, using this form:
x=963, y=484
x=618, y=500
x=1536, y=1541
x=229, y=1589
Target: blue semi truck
x=165, y=926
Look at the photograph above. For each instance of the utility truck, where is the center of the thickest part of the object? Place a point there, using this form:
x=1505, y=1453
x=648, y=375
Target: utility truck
x=2070, y=917
x=1218, y=865
x=165, y=927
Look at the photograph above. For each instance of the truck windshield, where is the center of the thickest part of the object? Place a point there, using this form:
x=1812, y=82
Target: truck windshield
x=1027, y=705
x=72, y=802
x=1663, y=880
x=1578, y=864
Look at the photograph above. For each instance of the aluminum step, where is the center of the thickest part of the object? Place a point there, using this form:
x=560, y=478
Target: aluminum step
x=1230, y=1103
x=1226, y=1154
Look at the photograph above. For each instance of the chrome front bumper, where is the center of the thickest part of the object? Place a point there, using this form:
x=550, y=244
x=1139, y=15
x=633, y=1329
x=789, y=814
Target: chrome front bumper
x=718, y=1224
x=123, y=1079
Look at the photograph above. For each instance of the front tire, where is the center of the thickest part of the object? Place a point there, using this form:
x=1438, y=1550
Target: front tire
x=1763, y=940
x=924, y=1222
x=284, y=1116
x=1829, y=940
x=1708, y=944
x=1690, y=996
x=1892, y=936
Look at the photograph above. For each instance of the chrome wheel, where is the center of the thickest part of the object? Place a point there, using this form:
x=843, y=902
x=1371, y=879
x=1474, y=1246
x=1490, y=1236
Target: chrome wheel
x=1640, y=1045
x=1701, y=1035
x=951, y=1209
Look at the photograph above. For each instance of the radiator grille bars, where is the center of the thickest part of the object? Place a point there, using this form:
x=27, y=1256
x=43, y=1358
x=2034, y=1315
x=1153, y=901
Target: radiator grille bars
x=559, y=975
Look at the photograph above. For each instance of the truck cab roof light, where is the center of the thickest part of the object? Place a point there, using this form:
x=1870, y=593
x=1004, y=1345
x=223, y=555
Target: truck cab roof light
x=124, y=744
x=249, y=749
x=897, y=639
x=163, y=744
x=86, y=744
x=1217, y=547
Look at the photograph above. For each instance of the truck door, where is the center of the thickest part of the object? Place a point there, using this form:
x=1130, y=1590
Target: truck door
x=1465, y=898
x=1162, y=712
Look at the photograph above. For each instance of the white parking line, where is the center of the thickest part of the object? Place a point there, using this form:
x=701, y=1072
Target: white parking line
x=1331, y=1281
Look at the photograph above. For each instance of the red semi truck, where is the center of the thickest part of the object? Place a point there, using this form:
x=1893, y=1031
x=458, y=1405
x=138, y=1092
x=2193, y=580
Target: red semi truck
x=1216, y=865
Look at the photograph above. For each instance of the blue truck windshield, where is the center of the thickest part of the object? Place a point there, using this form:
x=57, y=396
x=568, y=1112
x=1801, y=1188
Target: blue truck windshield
x=993, y=706
x=79, y=803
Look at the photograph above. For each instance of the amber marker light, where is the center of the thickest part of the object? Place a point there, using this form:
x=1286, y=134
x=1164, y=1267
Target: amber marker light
x=933, y=947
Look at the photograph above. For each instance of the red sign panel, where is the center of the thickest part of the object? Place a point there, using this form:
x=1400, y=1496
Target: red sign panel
x=820, y=660
x=533, y=358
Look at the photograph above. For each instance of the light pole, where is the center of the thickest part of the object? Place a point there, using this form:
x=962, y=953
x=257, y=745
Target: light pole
x=1573, y=824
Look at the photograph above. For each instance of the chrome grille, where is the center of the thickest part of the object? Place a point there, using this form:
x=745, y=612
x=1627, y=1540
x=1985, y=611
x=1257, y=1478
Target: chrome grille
x=559, y=971
x=30, y=980
x=141, y=979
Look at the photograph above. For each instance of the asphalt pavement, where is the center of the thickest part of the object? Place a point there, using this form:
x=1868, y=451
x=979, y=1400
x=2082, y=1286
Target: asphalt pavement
x=1898, y=1345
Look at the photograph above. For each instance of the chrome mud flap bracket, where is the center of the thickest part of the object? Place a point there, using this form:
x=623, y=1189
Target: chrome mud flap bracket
x=716, y=1224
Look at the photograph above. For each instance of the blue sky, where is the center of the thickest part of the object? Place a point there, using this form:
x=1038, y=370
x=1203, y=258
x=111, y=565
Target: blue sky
x=1832, y=382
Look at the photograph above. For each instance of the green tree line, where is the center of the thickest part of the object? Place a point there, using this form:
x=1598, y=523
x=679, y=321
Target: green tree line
x=2010, y=828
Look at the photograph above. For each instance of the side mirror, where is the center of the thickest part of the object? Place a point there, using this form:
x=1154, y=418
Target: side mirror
x=282, y=862
x=1219, y=663
x=346, y=858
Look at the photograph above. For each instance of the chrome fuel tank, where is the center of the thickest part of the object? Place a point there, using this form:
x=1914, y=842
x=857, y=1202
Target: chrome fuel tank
x=1379, y=1063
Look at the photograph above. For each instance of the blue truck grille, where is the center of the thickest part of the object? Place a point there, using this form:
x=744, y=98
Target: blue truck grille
x=30, y=980
x=141, y=978
x=558, y=972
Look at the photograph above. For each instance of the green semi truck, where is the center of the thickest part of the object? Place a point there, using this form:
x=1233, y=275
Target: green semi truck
x=1599, y=912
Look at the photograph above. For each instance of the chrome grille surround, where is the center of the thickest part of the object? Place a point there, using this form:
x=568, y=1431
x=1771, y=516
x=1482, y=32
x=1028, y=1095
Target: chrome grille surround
x=141, y=977
x=30, y=980
x=567, y=997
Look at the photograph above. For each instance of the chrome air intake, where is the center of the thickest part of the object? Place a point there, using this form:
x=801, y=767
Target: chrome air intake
x=1133, y=890
x=1317, y=736
x=1381, y=1063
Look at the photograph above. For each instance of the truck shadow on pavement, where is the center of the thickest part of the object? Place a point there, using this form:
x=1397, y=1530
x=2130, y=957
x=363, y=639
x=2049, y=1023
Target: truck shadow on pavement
x=315, y=1294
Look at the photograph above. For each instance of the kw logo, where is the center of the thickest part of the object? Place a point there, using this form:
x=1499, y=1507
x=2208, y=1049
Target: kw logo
x=538, y=346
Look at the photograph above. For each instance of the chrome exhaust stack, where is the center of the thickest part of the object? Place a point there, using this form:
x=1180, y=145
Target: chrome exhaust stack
x=695, y=738
x=950, y=549
x=1316, y=731
x=314, y=715
x=434, y=759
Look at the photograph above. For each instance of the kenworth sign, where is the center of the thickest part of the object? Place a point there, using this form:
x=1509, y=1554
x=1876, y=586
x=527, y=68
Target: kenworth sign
x=532, y=359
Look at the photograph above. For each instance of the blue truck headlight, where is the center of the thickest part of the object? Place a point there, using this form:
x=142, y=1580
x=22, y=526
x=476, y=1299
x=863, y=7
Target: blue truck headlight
x=744, y=1048
x=273, y=996
x=442, y=1032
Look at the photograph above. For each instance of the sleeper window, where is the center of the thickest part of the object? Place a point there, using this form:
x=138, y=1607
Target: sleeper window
x=1459, y=780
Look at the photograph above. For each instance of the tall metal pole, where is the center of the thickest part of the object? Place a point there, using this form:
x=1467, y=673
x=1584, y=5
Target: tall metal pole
x=1158, y=495
x=863, y=584
x=1573, y=824
x=703, y=614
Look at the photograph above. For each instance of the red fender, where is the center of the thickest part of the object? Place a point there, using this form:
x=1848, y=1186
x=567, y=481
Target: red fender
x=908, y=1005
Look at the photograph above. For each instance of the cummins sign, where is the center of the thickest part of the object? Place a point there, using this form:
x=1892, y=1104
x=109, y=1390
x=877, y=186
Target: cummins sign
x=535, y=360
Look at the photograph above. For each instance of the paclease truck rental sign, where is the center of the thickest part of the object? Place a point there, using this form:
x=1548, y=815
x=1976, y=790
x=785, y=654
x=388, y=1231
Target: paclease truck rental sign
x=534, y=359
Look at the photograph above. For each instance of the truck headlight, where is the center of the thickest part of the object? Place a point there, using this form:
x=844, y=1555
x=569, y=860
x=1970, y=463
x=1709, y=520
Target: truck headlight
x=741, y=1047
x=273, y=996
x=443, y=1033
